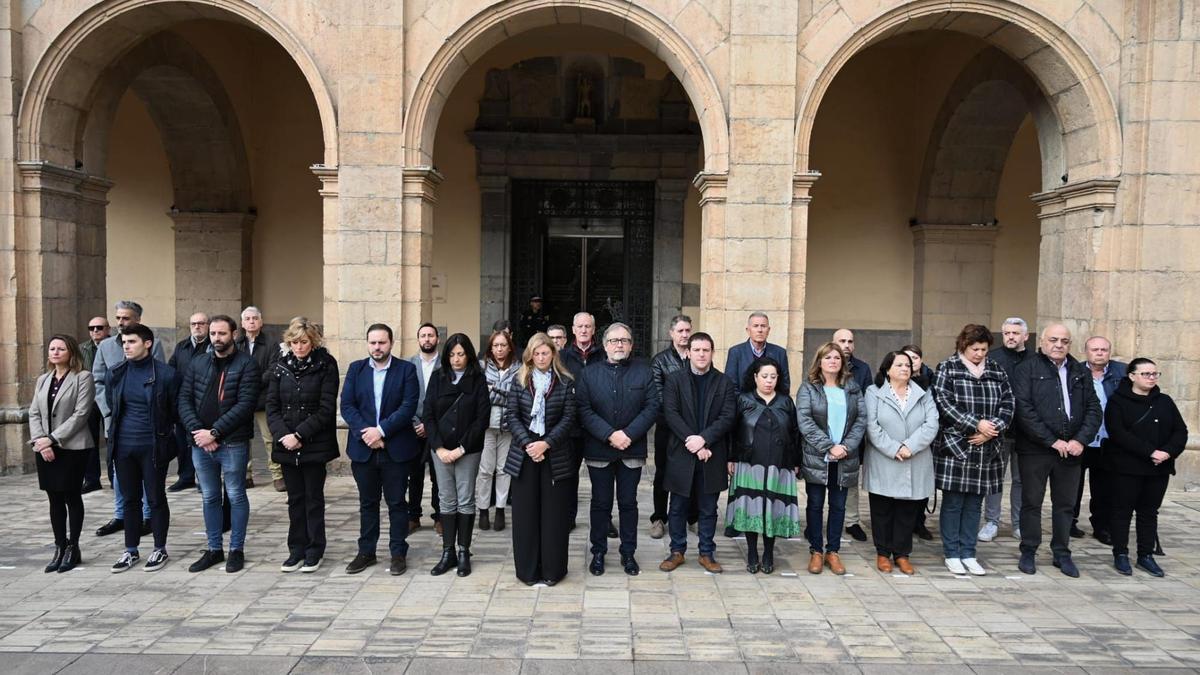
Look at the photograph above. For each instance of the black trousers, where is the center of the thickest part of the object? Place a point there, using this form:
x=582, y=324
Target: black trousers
x=626, y=481
x=573, y=482
x=1063, y=476
x=540, y=522
x=1143, y=494
x=416, y=485
x=137, y=473
x=380, y=475
x=892, y=524
x=186, y=472
x=91, y=469
x=662, y=438
x=306, y=508
x=1098, y=505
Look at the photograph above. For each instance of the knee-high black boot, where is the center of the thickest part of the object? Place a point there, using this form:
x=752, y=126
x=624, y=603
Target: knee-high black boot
x=466, y=524
x=752, y=552
x=768, y=556
x=448, y=559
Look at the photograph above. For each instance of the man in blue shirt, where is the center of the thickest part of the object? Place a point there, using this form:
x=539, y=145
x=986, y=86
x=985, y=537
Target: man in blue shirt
x=1106, y=375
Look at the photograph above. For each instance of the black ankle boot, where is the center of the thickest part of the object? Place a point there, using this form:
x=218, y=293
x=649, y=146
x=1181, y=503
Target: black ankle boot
x=71, y=558
x=448, y=560
x=465, y=526
x=52, y=566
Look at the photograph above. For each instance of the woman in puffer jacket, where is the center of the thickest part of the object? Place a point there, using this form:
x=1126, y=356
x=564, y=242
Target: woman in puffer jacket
x=302, y=415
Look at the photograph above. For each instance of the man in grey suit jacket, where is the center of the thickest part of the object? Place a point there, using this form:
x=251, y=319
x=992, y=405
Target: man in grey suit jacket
x=426, y=361
x=109, y=354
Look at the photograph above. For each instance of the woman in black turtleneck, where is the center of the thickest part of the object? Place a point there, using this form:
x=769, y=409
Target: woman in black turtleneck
x=1145, y=435
x=456, y=415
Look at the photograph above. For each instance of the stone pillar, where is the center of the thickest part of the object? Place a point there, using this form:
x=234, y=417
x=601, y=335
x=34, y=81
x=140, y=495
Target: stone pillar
x=801, y=197
x=495, y=244
x=54, y=263
x=335, y=339
x=416, y=260
x=952, y=282
x=669, y=194
x=712, y=188
x=212, y=263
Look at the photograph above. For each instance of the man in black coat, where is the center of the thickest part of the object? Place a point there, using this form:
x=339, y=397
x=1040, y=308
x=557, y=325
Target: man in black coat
x=670, y=360
x=617, y=404
x=1014, y=334
x=1058, y=414
x=580, y=354
x=216, y=405
x=699, y=406
x=864, y=377
x=195, y=343
x=265, y=352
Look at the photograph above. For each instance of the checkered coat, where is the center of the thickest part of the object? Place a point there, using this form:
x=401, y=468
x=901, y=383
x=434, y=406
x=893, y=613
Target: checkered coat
x=962, y=400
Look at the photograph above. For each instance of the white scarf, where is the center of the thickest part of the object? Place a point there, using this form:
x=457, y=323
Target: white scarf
x=541, y=385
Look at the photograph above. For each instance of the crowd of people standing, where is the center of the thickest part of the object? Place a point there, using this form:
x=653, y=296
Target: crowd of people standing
x=515, y=424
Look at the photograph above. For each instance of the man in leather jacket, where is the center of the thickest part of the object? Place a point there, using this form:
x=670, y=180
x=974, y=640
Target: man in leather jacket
x=670, y=360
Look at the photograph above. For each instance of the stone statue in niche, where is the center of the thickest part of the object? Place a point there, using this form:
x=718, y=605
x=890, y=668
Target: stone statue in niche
x=583, y=90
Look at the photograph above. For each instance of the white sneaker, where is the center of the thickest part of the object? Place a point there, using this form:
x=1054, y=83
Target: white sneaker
x=973, y=567
x=955, y=566
x=988, y=531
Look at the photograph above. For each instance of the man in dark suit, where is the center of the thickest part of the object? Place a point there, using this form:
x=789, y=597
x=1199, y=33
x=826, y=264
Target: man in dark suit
x=699, y=406
x=758, y=328
x=379, y=400
x=195, y=343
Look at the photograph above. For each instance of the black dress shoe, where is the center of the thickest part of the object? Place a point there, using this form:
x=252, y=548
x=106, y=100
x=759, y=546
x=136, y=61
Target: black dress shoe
x=111, y=526
x=630, y=566
x=181, y=485
x=1067, y=566
x=52, y=566
x=1147, y=563
x=857, y=532
x=89, y=487
x=596, y=567
x=923, y=532
x=237, y=560
x=499, y=525
x=71, y=558
x=207, y=560
x=361, y=562
x=1077, y=533
x=1103, y=537
x=612, y=530
x=398, y=566
x=1121, y=562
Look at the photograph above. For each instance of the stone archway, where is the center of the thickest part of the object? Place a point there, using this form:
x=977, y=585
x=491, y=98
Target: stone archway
x=484, y=31
x=1078, y=127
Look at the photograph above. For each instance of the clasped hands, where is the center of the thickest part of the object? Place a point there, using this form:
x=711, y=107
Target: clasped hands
x=698, y=446
x=984, y=431
x=1066, y=449
x=372, y=437
x=537, y=450
x=450, y=456
x=204, y=439
x=45, y=447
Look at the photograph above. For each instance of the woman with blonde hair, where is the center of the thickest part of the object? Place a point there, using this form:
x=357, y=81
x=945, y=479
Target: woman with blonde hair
x=302, y=415
x=500, y=367
x=832, y=417
x=58, y=432
x=540, y=411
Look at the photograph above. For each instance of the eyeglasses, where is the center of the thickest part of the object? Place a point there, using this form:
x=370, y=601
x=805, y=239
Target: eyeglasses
x=619, y=341
x=1150, y=374
x=92, y=329
x=199, y=323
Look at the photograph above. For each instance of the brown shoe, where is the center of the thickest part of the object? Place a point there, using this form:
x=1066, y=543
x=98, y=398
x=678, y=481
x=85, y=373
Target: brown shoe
x=711, y=565
x=835, y=563
x=414, y=525
x=884, y=564
x=279, y=485
x=674, y=560
x=816, y=562
x=904, y=566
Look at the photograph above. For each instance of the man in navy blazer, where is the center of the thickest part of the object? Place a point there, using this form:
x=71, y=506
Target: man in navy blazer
x=379, y=400
x=758, y=327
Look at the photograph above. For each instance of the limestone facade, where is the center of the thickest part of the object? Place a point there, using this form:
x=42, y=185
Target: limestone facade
x=1111, y=86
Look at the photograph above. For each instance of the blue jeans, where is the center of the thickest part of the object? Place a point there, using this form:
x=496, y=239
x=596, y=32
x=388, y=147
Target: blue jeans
x=119, y=499
x=959, y=521
x=815, y=511
x=677, y=516
x=228, y=462
x=377, y=475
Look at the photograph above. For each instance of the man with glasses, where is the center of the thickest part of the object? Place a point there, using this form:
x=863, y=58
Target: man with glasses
x=558, y=335
x=1058, y=414
x=195, y=343
x=1106, y=375
x=616, y=403
x=98, y=329
x=110, y=353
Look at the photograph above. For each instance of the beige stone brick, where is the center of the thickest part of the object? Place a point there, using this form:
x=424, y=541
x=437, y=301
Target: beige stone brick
x=759, y=141
x=762, y=101
x=756, y=60
x=746, y=255
x=763, y=17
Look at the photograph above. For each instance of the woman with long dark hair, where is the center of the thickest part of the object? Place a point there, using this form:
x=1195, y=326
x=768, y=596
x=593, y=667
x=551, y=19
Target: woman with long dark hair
x=540, y=412
x=61, y=441
x=455, y=418
x=499, y=369
x=302, y=390
x=1146, y=433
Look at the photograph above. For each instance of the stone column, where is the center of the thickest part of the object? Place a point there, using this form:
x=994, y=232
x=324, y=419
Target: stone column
x=212, y=262
x=712, y=188
x=801, y=197
x=495, y=243
x=952, y=282
x=335, y=339
x=669, y=194
x=416, y=260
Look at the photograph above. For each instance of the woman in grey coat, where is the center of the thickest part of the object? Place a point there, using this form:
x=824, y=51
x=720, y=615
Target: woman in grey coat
x=832, y=420
x=902, y=421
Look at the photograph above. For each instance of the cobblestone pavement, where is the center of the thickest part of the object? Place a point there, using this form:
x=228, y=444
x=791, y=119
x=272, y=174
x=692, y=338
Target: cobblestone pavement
x=685, y=621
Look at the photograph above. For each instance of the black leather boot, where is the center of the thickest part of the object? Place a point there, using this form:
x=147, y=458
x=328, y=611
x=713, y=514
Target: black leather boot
x=449, y=559
x=71, y=558
x=466, y=524
x=52, y=566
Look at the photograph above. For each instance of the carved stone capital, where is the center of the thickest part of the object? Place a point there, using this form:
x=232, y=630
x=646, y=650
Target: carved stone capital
x=422, y=182
x=1096, y=194
x=802, y=186
x=712, y=186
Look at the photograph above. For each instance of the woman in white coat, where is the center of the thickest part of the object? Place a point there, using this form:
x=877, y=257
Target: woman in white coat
x=902, y=421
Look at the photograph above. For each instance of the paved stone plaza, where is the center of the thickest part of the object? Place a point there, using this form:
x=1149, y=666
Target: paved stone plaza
x=89, y=619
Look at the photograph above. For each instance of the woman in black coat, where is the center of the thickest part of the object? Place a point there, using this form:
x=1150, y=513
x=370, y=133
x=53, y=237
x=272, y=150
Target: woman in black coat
x=1145, y=434
x=540, y=412
x=455, y=419
x=302, y=416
